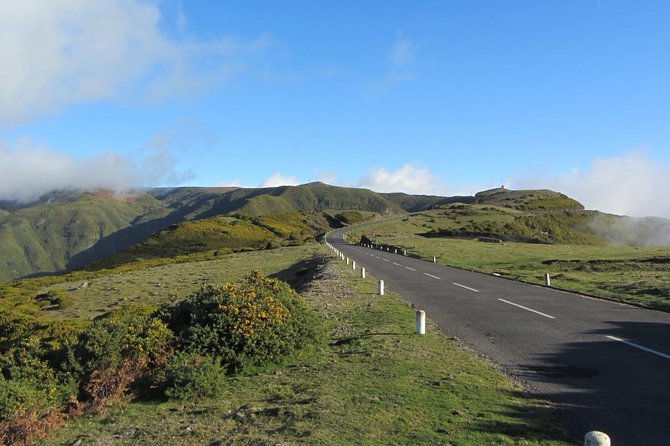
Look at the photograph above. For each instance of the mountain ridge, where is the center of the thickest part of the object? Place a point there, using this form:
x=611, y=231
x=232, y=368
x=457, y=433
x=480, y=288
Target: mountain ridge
x=67, y=230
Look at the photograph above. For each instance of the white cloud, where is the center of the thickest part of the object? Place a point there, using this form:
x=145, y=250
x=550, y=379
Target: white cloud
x=228, y=183
x=28, y=171
x=411, y=179
x=279, y=180
x=63, y=52
x=631, y=184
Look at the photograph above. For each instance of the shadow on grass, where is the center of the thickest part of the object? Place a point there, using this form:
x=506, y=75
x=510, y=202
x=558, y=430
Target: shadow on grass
x=302, y=273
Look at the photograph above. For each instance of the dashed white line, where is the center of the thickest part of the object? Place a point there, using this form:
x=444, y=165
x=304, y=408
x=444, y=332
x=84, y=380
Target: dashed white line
x=430, y=275
x=648, y=350
x=466, y=287
x=397, y=264
x=411, y=269
x=386, y=260
x=526, y=308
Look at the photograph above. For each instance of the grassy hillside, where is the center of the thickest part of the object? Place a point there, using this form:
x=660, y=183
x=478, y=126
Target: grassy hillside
x=476, y=220
x=528, y=200
x=70, y=230
x=46, y=236
x=222, y=235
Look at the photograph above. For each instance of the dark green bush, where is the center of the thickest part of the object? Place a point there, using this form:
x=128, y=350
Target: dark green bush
x=254, y=323
x=188, y=375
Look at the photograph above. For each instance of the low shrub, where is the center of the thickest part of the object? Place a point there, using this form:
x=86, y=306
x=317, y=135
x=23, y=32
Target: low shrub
x=121, y=349
x=254, y=323
x=190, y=376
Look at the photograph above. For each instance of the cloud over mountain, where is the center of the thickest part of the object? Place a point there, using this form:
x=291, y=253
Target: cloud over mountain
x=631, y=184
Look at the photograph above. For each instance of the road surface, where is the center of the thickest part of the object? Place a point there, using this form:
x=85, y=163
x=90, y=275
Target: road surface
x=605, y=365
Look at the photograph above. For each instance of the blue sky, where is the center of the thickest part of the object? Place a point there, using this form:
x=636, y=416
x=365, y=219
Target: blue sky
x=438, y=97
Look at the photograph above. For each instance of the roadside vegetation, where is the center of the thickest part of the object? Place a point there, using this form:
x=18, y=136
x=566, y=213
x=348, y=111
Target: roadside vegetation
x=370, y=381
x=182, y=350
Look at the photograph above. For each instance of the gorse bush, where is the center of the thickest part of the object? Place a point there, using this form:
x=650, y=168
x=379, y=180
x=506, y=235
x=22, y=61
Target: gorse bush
x=253, y=323
x=184, y=350
x=189, y=376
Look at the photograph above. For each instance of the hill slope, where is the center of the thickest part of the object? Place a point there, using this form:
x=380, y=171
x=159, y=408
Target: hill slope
x=69, y=230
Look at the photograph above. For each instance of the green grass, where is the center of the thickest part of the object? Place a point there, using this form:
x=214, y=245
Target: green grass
x=167, y=282
x=627, y=274
x=374, y=382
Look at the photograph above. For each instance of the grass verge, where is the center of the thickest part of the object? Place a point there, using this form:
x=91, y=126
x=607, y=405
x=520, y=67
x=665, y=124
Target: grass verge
x=374, y=382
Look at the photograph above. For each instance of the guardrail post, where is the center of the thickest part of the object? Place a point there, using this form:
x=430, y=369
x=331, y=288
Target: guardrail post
x=595, y=438
x=381, y=287
x=420, y=322
x=362, y=272
x=547, y=279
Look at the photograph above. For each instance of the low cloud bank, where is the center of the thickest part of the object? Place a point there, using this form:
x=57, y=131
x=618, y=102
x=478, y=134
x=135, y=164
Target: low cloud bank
x=410, y=179
x=27, y=171
x=631, y=231
x=631, y=184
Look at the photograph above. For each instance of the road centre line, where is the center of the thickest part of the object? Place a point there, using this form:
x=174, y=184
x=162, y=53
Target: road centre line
x=411, y=269
x=466, y=287
x=397, y=264
x=386, y=260
x=526, y=308
x=430, y=275
x=646, y=349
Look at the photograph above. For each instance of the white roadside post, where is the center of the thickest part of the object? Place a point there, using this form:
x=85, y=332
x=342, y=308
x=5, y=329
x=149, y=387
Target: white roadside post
x=395, y=251
x=547, y=279
x=434, y=259
x=381, y=287
x=595, y=438
x=404, y=252
x=348, y=260
x=353, y=264
x=420, y=322
x=362, y=272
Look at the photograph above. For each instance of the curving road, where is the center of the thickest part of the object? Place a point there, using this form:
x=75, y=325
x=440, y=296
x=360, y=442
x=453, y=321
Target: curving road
x=605, y=365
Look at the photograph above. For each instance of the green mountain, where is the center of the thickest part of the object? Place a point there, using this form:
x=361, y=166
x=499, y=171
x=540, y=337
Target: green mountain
x=68, y=230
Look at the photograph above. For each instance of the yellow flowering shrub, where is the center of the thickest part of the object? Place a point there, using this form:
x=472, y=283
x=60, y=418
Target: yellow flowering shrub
x=255, y=322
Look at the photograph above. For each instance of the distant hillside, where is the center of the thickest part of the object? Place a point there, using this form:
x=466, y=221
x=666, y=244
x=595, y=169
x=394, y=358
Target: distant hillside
x=222, y=235
x=46, y=236
x=67, y=230
x=528, y=200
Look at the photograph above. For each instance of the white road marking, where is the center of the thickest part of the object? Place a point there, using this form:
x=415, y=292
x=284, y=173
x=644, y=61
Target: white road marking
x=466, y=287
x=430, y=275
x=411, y=269
x=648, y=350
x=386, y=260
x=397, y=264
x=526, y=308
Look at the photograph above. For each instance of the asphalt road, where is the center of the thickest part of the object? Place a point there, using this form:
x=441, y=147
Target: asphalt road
x=605, y=365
